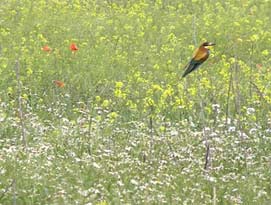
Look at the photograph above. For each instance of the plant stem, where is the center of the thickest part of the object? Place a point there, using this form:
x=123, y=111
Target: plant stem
x=207, y=156
x=228, y=97
x=20, y=109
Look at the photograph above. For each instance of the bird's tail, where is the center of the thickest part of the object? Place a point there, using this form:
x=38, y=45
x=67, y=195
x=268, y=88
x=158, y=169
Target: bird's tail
x=189, y=69
x=191, y=66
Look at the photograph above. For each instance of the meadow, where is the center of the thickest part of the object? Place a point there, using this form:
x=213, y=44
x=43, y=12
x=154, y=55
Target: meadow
x=93, y=109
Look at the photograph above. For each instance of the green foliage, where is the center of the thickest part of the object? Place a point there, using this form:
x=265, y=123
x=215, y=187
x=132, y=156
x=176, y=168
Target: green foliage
x=126, y=128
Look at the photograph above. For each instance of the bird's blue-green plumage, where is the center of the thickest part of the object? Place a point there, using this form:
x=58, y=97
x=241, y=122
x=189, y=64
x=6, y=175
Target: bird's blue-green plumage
x=191, y=66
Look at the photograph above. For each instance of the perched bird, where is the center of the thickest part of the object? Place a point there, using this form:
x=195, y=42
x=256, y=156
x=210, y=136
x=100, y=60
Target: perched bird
x=200, y=55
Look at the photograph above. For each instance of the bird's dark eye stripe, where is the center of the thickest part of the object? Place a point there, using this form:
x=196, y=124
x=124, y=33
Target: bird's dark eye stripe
x=208, y=44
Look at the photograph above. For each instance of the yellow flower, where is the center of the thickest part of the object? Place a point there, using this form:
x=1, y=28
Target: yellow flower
x=156, y=87
x=105, y=103
x=102, y=203
x=168, y=92
x=98, y=98
x=119, y=85
x=265, y=52
x=113, y=115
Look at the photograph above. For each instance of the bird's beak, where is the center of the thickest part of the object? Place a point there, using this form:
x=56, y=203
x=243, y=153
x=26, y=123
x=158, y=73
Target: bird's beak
x=211, y=44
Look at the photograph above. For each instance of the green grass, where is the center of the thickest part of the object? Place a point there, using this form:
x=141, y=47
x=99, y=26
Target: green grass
x=125, y=128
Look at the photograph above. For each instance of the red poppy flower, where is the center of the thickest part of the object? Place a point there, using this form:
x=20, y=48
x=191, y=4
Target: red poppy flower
x=46, y=48
x=73, y=47
x=59, y=83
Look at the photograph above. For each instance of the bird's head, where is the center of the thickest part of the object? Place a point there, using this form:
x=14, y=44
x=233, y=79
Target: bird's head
x=207, y=44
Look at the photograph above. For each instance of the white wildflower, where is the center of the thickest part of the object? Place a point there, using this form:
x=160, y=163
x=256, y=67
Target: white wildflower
x=134, y=182
x=96, y=165
x=216, y=108
x=174, y=133
x=232, y=129
x=252, y=131
x=250, y=111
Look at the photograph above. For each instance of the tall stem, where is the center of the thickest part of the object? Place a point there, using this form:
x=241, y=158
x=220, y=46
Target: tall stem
x=20, y=109
x=228, y=97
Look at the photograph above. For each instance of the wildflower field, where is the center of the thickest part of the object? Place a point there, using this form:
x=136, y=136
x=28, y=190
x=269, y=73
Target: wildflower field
x=93, y=109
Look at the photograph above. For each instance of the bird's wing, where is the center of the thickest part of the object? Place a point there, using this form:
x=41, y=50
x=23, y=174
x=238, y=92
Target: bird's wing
x=191, y=66
x=201, y=54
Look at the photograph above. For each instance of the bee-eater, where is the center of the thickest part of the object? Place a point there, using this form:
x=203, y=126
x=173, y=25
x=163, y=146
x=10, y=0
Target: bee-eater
x=200, y=55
